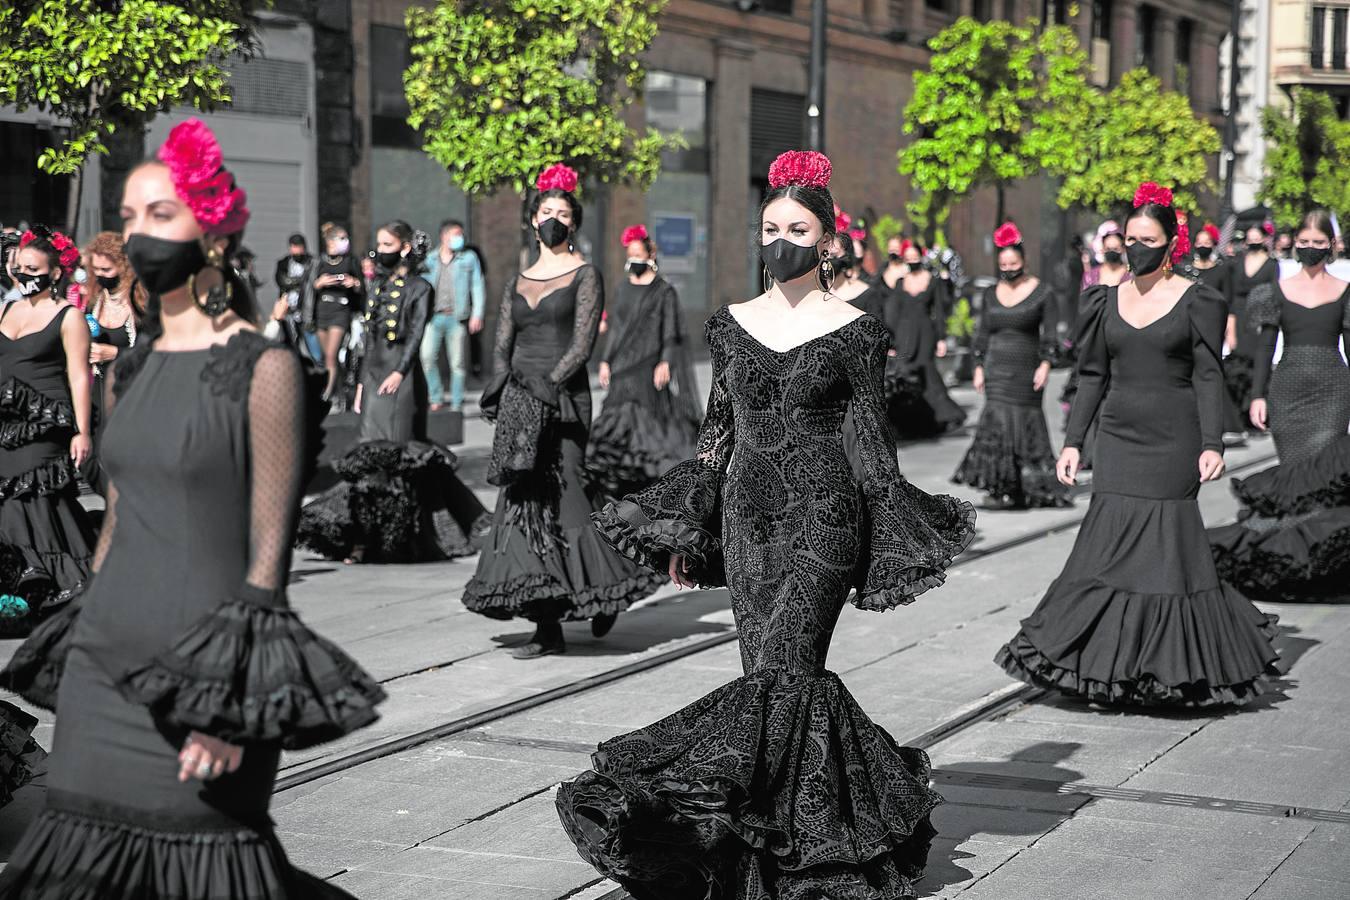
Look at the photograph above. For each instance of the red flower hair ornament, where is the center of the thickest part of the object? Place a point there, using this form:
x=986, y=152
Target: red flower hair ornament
x=1007, y=235
x=1212, y=230
x=634, y=233
x=1268, y=227
x=1152, y=192
x=841, y=220
x=801, y=167
x=199, y=176
x=559, y=176
x=65, y=247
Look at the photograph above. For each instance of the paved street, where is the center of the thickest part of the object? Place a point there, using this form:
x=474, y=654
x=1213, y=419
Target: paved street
x=1045, y=798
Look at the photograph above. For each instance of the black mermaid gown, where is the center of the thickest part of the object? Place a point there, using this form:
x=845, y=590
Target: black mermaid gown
x=1237, y=366
x=1011, y=457
x=1219, y=278
x=1292, y=540
x=544, y=561
x=918, y=403
x=776, y=785
x=399, y=498
x=185, y=627
x=1138, y=615
x=642, y=433
x=41, y=519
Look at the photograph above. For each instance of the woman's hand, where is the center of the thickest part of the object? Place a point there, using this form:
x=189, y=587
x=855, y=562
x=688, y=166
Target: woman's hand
x=1258, y=413
x=679, y=571
x=604, y=375
x=891, y=352
x=356, y=402
x=207, y=758
x=391, y=384
x=280, y=309
x=978, y=380
x=101, y=353
x=1211, y=465
x=941, y=350
x=661, y=377
x=1041, y=376
x=1066, y=469
x=81, y=448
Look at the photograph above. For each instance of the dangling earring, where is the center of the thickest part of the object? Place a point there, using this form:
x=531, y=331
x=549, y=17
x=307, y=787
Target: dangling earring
x=765, y=279
x=825, y=275
x=217, y=299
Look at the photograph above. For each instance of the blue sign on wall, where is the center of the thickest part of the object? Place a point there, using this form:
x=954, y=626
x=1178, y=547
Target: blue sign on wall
x=674, y=235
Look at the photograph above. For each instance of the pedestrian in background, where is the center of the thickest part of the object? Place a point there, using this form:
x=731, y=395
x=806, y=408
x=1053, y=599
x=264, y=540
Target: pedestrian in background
x=337, y=290
x=457, y=275
x=294, y=273
x=112, y=315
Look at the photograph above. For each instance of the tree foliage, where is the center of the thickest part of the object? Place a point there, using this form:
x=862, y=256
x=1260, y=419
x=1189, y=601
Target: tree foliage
x=1307, y=157
x=1141, y=133
x=98, y=65
x=997, y=103
x=501, y=89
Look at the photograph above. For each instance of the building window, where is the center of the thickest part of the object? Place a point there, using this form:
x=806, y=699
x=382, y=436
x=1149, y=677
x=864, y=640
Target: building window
x=1185, y=35
x=1055, y=12
x=1144, y=51
x=1319, y=34
x=1101, y=19
x=678, y=104
x=389, y=57
x=983, y=10
x=1338, y=17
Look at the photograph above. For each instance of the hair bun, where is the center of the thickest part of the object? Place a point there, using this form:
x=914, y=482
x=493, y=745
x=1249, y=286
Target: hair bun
x=807, y=168
x=1007, y=235
x=1152, y=192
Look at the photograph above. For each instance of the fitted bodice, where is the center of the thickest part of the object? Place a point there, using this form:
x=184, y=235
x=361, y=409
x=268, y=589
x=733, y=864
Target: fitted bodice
x=1318, y=326
x=38, y=359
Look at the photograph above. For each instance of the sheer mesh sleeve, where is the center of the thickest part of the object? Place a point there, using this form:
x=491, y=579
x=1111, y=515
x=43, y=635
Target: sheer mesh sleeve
x=590, y=304
x=1094, y=365
x=276, y=451
x=1208, y=317
x=912, y=536
x=505, y=340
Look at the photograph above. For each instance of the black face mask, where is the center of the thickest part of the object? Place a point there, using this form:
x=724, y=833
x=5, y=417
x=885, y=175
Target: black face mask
x=108, y=282
x=1311, y=256
x=552, y=233
x=1010, y=274
x=638, y=269
x=1145, y=259
x=1256, y=248
x=388, y=259
x=893, y=257
x=164, y=265
x=32, y=285
x=1204, y=253
x=1111, y=256
x=787, y=261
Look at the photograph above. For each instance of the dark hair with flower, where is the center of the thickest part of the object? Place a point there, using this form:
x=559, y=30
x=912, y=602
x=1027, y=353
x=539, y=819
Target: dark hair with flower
x=639, y=233
x=1009, y=237
x=804, y=177
x=201, y=179
x=1212, y=230
x=557, y=177
x=60, y=250
x=841, y=220
x=1153, y=201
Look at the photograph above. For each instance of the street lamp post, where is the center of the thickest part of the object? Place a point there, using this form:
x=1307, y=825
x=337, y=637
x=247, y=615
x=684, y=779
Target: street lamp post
x=1231, y=125
x=815, y=92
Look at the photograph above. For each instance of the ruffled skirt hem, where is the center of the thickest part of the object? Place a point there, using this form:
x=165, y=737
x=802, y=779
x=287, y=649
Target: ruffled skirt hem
x=1011, y=458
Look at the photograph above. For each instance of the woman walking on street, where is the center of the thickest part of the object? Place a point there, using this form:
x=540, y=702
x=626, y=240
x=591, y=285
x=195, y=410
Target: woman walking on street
x=1251, y=270
x=1138, y=615
x=1216, y=273
x=335, y=295
x=544, y=561
x=112, y=316
x=777, y=784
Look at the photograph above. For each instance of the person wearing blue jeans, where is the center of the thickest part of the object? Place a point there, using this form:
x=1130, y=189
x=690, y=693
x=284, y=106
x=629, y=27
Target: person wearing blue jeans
x=457, y=276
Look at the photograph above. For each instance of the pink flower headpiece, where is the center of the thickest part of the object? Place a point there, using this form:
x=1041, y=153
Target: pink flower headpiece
x=559, y=176
x=69, y=253
x=634, y=233
x=1212, y=230
x=841, y=220
x=802, y=167
x=1268, y=227
x=1152, y=192
x=1007, y=235
x=201, y=179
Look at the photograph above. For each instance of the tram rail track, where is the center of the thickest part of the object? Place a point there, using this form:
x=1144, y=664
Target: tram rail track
x=987, y=708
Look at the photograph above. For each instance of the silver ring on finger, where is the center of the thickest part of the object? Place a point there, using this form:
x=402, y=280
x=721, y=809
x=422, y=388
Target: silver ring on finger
x=204, y=770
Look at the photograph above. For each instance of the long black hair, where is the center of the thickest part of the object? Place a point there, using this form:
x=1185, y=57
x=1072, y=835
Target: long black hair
x=1317, y=220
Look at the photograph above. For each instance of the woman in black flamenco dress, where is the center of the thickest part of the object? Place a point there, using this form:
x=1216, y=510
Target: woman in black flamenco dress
x=544, y=562
x=850, y=282
x=1250, y=271
x=45, y=428
x=1011, y=457
x=399, y=499
x=1292, y=541
x=181, y=673
x=1138, y=615
x=777, y=785
x=1208, y=268
x=652, y=411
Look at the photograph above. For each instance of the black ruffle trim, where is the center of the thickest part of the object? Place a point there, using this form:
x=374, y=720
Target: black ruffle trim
x=26, y=414
x=1295, y=488
x=540, y=595
x=19, y=753
x=51, y=477
x=34, y=671
x=1296, y=559
x=913, y=538
x=1011, y=458
x=249, y=674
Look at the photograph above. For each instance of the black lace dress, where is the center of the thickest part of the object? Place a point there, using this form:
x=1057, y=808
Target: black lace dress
x=544, y=561
x=1292, y=539
x=776, y=785
x=41, y=519
x=1219, y=278
x=918, y=403
x=1011, y=457
x=185, y=626
x=1237, y=366
x=1138, y=615
x=399, y=499
x=641, y=433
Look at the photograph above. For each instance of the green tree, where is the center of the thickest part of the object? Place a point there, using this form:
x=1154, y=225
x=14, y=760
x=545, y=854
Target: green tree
x=101, y=65
x=501, y=89
x=997, y=103
x=1141, y=133
x=1307, y=156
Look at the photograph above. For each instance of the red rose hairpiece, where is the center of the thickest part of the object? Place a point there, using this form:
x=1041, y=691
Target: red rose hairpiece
x=1007, y=235
x=858, y=234
x=1212, y=230
x=841, y=220
x=1152, y=192
x=559, y=176
x=68, y=254
x=1268, y=227
x=634, y=233
x=802, y=167
x=199, y=176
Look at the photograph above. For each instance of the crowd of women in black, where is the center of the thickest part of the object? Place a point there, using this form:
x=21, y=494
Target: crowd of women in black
x=168, y=649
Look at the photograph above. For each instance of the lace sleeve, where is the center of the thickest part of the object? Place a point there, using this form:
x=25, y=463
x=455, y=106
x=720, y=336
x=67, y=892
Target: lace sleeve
x=276, y=458
x=590, y=304
x=505, y=340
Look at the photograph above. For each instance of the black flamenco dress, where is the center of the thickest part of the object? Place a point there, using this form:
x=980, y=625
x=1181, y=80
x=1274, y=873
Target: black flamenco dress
x=185, y=626
x=1138, y=615
x=1011, y=457
x=776, y=786
x=918, y=403
x=1292, y=539
x=1237, y=366
x=641, y=432
x=41, y=519
x=399, y=499
x=544, y=561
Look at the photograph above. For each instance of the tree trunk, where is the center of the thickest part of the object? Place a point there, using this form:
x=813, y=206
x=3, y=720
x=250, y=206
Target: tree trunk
x=73, y=203
x=1001, y=205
